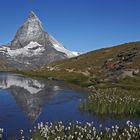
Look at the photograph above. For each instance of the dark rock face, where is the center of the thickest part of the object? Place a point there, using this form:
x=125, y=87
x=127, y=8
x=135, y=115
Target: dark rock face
x=116, y=67
x=32, y=47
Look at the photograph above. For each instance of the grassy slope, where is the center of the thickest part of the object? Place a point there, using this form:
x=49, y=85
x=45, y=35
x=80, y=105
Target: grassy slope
x=96, y=59
x=91, y=68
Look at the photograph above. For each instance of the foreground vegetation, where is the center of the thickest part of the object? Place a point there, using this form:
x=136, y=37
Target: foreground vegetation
x=113, y=102
x=116, y=99
x=78, y=131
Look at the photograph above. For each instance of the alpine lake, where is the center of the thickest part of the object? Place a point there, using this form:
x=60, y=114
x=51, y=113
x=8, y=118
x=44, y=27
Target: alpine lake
x=25, y=102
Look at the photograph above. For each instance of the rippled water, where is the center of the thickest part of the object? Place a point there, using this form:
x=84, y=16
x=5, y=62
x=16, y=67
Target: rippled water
x=26, y=101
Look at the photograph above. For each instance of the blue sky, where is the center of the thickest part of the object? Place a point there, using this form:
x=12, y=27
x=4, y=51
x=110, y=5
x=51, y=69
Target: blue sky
x=81, y=25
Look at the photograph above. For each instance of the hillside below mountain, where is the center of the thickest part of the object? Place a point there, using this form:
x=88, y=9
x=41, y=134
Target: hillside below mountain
x=103, y=65
x=32, y=47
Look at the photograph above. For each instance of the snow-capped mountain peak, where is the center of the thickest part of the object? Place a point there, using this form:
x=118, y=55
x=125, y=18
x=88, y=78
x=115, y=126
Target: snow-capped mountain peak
x=32, y=47
x=32, y=17
x=31, y=30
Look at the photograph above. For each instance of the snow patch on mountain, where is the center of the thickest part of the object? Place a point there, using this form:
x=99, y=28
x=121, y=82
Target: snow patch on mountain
x=33, y=48
x=59, y=47
x=76, y=53
x=54, y=41
x=68, y=53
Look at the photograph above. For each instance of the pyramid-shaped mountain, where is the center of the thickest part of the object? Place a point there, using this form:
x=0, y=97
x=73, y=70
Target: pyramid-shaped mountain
x=32, y=47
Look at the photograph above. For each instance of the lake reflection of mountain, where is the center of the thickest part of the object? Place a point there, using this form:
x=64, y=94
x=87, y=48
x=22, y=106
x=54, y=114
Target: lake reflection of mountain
x=30, y=94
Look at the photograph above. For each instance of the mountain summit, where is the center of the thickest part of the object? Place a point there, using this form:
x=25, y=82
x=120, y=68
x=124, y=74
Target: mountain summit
x=31, y=30
x=32, y=47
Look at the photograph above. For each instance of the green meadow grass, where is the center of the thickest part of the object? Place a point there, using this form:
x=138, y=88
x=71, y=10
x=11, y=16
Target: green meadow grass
x=113, y=102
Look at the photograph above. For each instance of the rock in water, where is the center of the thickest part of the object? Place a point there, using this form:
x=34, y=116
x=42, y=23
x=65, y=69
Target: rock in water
x=32, y=47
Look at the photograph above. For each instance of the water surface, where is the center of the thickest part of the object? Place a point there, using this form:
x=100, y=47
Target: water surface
x=25, y=101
